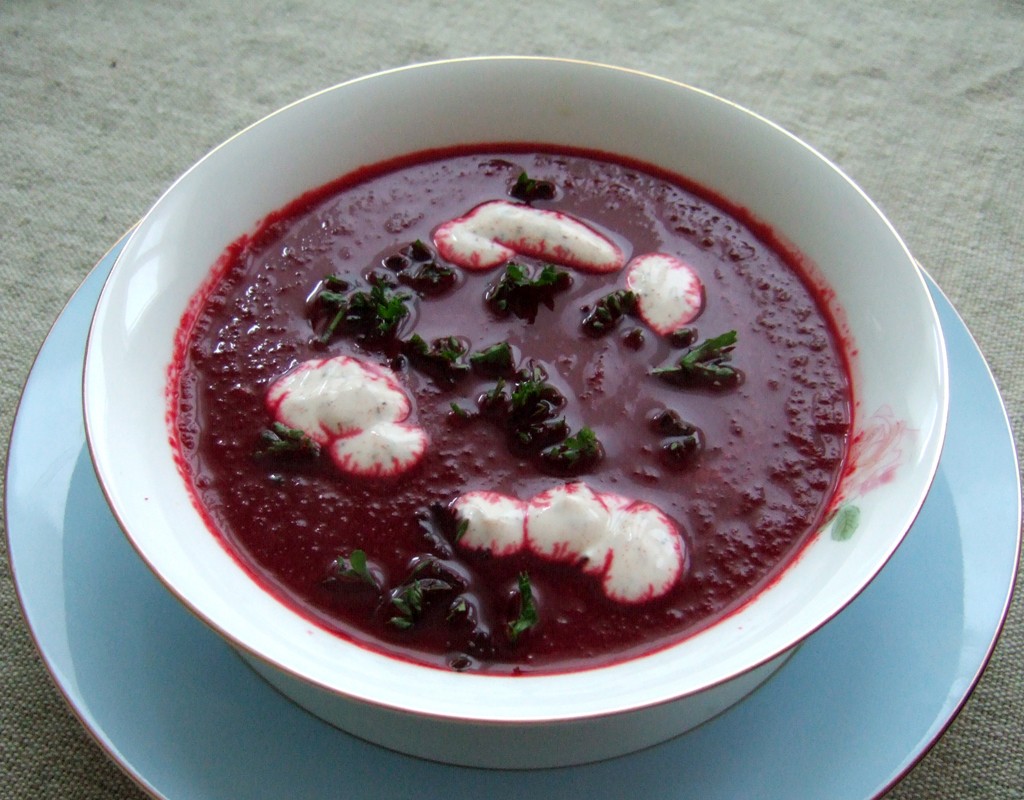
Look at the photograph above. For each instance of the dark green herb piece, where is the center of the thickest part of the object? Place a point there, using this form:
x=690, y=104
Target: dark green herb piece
x=634, y=338
x=379, y=312
x=680, y=452
x=529, y=189
x=705, y=366
x=575, y=454
x=529, y=390
x=430, y=579
x=439, y=359
x=493, y=361
x=458, y=608
x=533, y=422
x=527, y=411
x=416, y=266
x=375, y=314
x=682, y=337
x=527, y=610
x=520, y=294
x=408, y=599
x=607, y=312
x=494, y=402
x=279, y=439
x=682, y=440
x=419, y=251
x=355, y=567
x=429, y=279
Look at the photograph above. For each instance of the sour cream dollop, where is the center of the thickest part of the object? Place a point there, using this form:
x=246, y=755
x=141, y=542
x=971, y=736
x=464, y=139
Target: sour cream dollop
x=631, y=546
x=669, y=292
x=355, y=410
x=495, y=232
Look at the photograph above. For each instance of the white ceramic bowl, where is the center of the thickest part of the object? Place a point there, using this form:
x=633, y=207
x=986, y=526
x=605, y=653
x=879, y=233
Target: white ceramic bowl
x=529, y=721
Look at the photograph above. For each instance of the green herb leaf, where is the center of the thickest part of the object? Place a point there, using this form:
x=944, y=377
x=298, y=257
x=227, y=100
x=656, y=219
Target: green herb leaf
x=527, y=609
x=520, y=294
x=528, y=189
x=705, y=365
x=279, y=439
x=458, y=608
x=429, y=278
x=493, y=361
x=408, y=599
x=355, y=567
x=574, y=455
x=374, y=314
x=528, y=390
x=607, y=312
x=846, y=522
x=528, y=414
x=439, y=359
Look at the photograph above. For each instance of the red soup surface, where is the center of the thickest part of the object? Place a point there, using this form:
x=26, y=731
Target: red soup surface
x=741, y=455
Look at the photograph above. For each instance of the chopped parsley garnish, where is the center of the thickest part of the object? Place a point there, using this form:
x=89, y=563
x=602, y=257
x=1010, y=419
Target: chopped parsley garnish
x=528, y=410
x=520, y=294
x=493, y=361
x=575, y=454
x=279, y=439
x=380, y=311
x=681, y=442
x=440, y=359
x=410, y=599
x=459, y=411
x=530, y=390
x=458, y=608
x=531, y=413
x=375, y=314
x=355, y=567
x=681, y=451
x=429, y=279
x=527, y=609
x=529, y=189
x=417, y=267
x=705, y=365
x=419, y=251
x=682, y=337
x=608, y=311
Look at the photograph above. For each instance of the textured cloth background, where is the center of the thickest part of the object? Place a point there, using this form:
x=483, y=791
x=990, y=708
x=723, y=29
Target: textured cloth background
x=103, y=104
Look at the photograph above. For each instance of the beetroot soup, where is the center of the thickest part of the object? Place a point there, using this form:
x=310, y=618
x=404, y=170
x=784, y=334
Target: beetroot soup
x=511, y=410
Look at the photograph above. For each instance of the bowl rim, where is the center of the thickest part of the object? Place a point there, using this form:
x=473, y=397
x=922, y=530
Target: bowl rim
x=612, y=708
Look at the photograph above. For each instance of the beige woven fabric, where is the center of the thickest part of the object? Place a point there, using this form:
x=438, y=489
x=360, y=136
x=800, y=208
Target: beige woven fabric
x=102, y=104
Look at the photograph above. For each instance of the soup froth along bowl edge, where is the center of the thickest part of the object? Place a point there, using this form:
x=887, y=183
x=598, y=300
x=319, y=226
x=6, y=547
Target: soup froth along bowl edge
x=872, y=284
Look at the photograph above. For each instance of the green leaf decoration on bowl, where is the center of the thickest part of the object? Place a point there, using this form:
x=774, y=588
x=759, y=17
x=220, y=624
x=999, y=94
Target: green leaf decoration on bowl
x=845, y=522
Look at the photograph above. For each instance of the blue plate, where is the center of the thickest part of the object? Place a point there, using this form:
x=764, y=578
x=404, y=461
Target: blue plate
x=852, y=711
